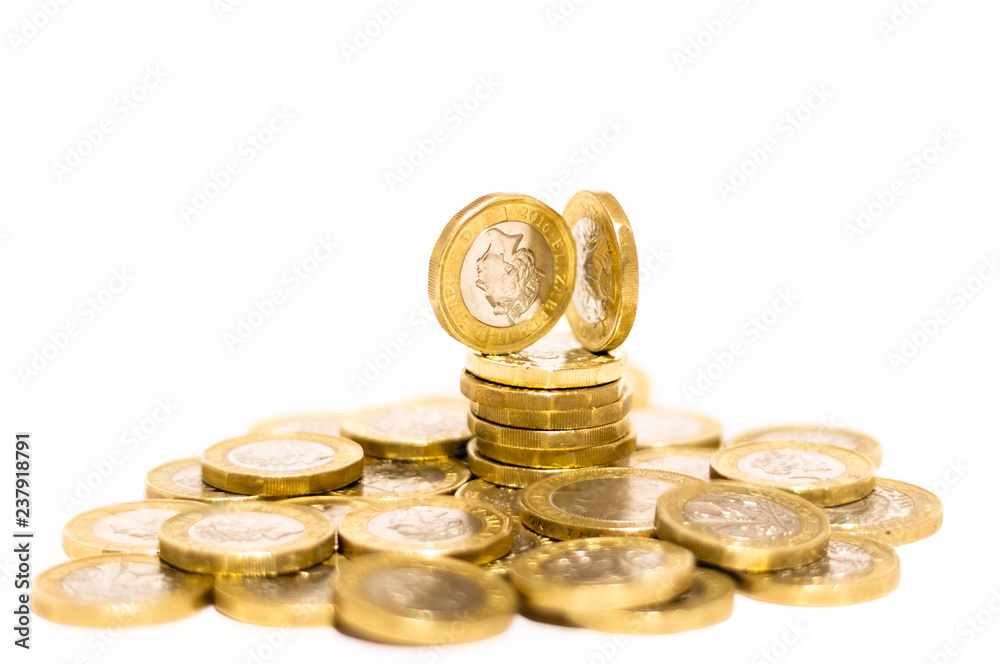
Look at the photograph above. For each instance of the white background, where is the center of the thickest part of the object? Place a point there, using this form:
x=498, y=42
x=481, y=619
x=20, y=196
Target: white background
x=683, y=128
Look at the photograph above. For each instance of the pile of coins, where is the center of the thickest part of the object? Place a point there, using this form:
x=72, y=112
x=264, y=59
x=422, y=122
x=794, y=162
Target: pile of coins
x=583, y=511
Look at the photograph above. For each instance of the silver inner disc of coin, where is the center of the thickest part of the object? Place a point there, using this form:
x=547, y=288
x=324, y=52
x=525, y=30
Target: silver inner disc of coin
x=281, y=455
x=425, y=524
x=881, y=505
x=611, y=498
x=133, y=527
x=394, y=477
x=554, y=350
x=118, y=582
x=791, y=465
x=247, y=530
x=407, y=589
x=595, y=279
x=742, y=517
x=841, y=560
x=602, y=564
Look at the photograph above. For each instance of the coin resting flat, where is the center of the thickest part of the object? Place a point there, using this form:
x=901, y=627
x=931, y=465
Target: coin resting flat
x=387, y=479
x=505, y=474
x=122, y=528
x=181, y=480
x=894, y=512
x=661, y=427
x=554, y=362
x=685, y=459
x=334, y=508
x=410, y=431
x=496, y=395
x=555, y=419
x=300, y=599
x=815, y=433
x=596, y=455
x=327, y=424
x=503, y=498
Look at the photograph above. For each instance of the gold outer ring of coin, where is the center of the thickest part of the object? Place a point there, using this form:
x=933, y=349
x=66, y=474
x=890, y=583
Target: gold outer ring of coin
x=343, y=468
x=813, y=433
x=675, y=458
x=50, y=600
x=326, y=423
x=505, y=474
x=234, y=599
x=496, y=395
x=180, y=549
x=556, y=362
x=536, y=439
x=404, y=445
x=708, y=431
x=806, y=586
x=923, y=519
x=708, y=601
x=160, y=484
x=539, y=513
x=530, y=574
x=453, y=473
x=444, y=282
x=80, y=539
x=493, y=539
x=360, y=614
x=611, y=228
x=743, y=554
x=550, y=420
x=598, y=455
x=856, y=482
x=501, y=497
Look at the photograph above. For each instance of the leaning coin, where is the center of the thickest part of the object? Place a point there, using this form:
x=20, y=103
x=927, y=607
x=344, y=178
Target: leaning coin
x=335, y=508
x=412, y=431
x=118, y=590
x=661, y=427
x=742, y=527
x=431, y=526
x=685, y=459
x=557, y=361
x=327, y=424
x=503, y=473
x=299, y=599
x=251, y=538
x=853, y=569
x=181, y=480
x=524, y=541
x=591, y=502
x=555, y=419
x=495, y=395
x=606, y=293
x=602, y=573
x=502, y=497
x=282, y=464
x=385, y=479
x=122, y=528
x=501, y=274
x=415, y=600
x=822, y=474
x=815, y=433
x=596, y=455
x=567, y=439
x=894, y=512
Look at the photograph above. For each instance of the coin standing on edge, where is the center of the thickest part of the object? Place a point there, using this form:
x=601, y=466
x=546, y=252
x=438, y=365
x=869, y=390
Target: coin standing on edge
x=894, y=512
x=661, y=427
x=300, y=599
x=495, y=395
x=602, y=309
x=815, y=433
x=742, y=527
x=386, y=479
x=121, y=528
x=684, y=459
x=410, y=431
x=181, y=480
x=118, y=590
x=502, y=273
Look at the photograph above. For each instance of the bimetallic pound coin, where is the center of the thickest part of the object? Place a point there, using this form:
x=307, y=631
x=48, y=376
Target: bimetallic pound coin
x=606, y=294
x=415, y=600
x=853, y=569
x=501, y=274
x=501, y=497
x=417, y=430
x=251, y=538
x=282, y=464
x=602, y=573
x=894, y=512
x=822, y=474
x=299, y=599
x=335, y=508
x=685, y=459
x=557, y=361
x=385, y=479
x=550, y=420
x=742, y=527
x=505, y=474
x=566, y=439
x=661, y=427
x=524, y=541
x=181, y=480
x=327, y=424
x=597, y=455
x=495, y=395
x=815, y=433
x=118, y=590
x=592, y=502
x=430, y=526
x=123, y=528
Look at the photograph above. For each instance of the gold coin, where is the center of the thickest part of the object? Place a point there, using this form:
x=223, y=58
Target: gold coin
x=661, y=427
x=430, y=526
x=822, y=474
x=335, y=508
x=299, y=599
x=592, y=502
x=327, y=424
x=501, y=497
x=894, y=512
x=555, y=362
x=503, y=473
x=742, y=527
x=597, y=455
x=496, y=395
x=602, y=573
x=524, y=541
x=252, y=538
x=550, y=420
x=501, y=274
x=606, y=293
x=415, y=600
x=815, y=433
x=118, y=590
x=412, y=431
x=709, y=600
x=536, y=439
x=385, y=479
x=181, y=480
x=123, y=528
x=685, y=459
x=638, y=381
x=853, y=569
x=289, y=463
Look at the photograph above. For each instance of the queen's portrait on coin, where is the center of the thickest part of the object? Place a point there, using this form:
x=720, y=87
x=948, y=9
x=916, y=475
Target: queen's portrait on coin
x=507, y=274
